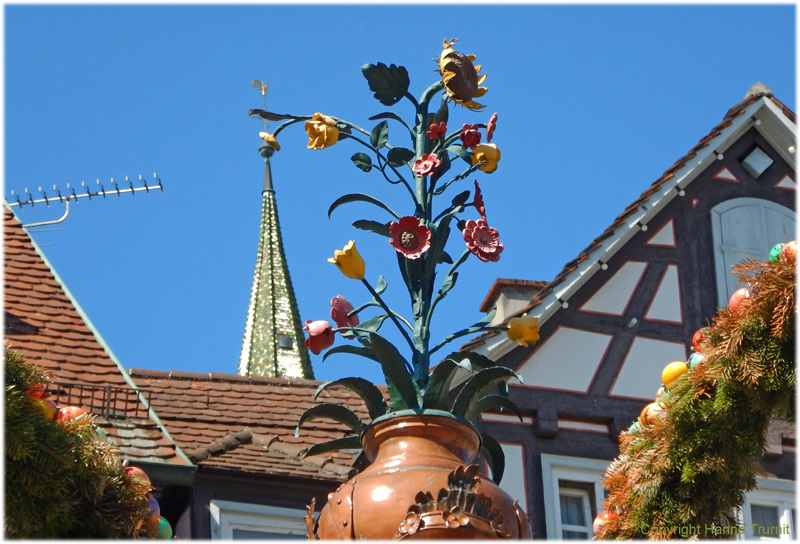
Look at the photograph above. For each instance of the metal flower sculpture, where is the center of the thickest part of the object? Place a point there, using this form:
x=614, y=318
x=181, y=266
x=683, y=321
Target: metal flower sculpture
x=419, y=239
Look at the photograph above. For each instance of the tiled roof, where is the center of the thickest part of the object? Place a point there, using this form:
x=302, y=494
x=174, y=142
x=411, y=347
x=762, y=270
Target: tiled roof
x=757, y=93
x=47, y=327
x=247, y=423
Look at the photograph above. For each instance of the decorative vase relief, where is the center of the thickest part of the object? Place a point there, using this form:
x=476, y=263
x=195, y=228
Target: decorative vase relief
x=421, y=484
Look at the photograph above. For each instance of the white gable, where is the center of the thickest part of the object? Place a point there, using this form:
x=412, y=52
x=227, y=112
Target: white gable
x=640, y=375
x=665, y=236
x=613, y=297
x=666, y=303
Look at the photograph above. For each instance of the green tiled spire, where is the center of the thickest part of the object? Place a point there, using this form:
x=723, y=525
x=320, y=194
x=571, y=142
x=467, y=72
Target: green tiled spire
x=273, y=342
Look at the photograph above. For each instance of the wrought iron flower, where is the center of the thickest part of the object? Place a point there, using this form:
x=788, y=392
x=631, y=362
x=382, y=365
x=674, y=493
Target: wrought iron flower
x=270, y=140
x=410, y=525
x=490, y=126
x=455, y=517
x=523, y=330
x=482, y=240
x=436, y=130
x=340, y=307
x=478, y=201
x=349, y=261
x=320, y=336
x=322, y=131
x=470, y=137
x=487, y=156
x=460, y=76
x=409, y=237
x=426, y=165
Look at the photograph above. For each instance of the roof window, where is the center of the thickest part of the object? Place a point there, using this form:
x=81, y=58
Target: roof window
x=756, y=162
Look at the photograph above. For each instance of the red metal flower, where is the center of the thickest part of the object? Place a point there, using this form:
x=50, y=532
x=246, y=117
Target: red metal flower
x=470, y=137
x=478, y=201
x=490, y=126
x=482, y=240
x=340, y=307
x=426, y=165
x=320, y=336
x=437, y=130
x=409, y=237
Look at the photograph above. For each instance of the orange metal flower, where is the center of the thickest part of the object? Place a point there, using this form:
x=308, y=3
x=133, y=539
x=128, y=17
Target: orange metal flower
x=269, y=139
x=523, y=330
x=487, y=156
x=322, y=131
x=436, y=130
x=409, y=237
x=426, y=165
x=460, y=76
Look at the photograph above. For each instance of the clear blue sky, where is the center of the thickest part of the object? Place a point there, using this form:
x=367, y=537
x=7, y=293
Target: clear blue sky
x=594, y=103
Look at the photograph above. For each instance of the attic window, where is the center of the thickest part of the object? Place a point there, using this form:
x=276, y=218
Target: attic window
x=756, y=162
x=285, y=341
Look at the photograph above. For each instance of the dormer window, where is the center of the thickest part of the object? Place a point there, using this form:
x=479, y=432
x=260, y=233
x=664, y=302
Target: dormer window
x=756, y=162
x=285, y=341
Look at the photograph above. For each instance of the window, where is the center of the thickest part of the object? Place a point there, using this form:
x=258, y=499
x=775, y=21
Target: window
x=573, y=495
x=243, y=521
x=745, y=228
x=768, y=513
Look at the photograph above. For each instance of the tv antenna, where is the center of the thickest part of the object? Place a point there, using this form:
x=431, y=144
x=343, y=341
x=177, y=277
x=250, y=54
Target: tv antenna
x=85, y=192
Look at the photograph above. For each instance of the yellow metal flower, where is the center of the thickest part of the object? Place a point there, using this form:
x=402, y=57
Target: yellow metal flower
x=349, y=261
x=460, y=76
x=523, y=330
x=487, y=155
x=270, y=139
x=322, y=131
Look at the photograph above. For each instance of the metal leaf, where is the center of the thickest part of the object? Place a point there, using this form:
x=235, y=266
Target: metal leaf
x=486, y=378
x=335, y=412
x=492, y=401
x=360, y=197
x=402, y=388
x=362, y=161
x=389, y=83
x=461, y=152
x=493, y=453
x=439, y=384
x=338, y=444
x=444, y=257
x=372, y=226
x=353, y=350
x=370, y=325
x=372, y=396
x=270, y=116
x=398, y=156
x=379, y=135
x=460, y=198
x=381, y=286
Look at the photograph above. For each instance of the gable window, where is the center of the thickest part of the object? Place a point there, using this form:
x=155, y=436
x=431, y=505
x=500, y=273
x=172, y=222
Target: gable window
x=745, y=228
x=244, y=521
x=573, y=495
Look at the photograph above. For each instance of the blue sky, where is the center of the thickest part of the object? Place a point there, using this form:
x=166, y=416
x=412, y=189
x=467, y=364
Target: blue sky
x=594, y=103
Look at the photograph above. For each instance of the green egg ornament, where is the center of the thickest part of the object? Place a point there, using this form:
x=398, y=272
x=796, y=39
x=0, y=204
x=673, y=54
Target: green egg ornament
x=663, y=394
x=697, y=359
x=775, y=252
x=164, y=529
x=635, y=428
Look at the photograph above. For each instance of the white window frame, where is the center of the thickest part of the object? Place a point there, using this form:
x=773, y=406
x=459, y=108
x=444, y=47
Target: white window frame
x=775, y=493
x=587, y=514
x=560, y=467
x=720, y=269
x=226, y=516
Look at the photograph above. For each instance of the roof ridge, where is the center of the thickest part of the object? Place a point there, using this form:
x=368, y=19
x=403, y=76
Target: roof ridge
x=220, y=377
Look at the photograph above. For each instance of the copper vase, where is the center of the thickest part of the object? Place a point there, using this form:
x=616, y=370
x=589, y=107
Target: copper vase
x=422, y=483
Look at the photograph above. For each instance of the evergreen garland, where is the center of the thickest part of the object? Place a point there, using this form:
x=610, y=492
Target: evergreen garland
x=61, y=480
x=691, y=468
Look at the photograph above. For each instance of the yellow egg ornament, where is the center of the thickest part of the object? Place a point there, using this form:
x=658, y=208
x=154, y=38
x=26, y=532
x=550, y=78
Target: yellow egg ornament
x=672, y=371
x=651, y=412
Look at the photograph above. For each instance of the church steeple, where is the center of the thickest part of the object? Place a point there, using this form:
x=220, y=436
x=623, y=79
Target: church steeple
x=273, y=342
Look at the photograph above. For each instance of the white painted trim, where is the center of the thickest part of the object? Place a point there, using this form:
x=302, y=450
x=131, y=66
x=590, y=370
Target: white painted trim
x=555, y=467
x=575, y=425
x=229, y=515
x=772, y=492
x=505, y=418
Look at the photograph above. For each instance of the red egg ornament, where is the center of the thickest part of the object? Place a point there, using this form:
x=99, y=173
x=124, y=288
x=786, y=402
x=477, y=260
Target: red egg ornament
x=36, y=391
x=68, y=413
x=789, y=251
x=136, y=472
x=602, y=519
x=737, y=298
x=699, y=339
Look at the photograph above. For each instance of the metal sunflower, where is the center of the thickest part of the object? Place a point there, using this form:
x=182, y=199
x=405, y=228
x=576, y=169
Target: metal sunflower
x=460, y=76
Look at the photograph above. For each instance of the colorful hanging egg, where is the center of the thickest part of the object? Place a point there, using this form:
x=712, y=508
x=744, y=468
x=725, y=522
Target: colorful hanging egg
x=50, y=409
x=672, y=371
x=635, y=427
x=164, y=530
x=155, y=509
x=151, y=523
x=662, y=395
x=651, y=413
x=68, y=413
x=737, y=298
x=775, y=252
x=602, y=519
x=697, y=359
x=699, y=339
x=36, y=391
x=136, y=472
x=789, y=251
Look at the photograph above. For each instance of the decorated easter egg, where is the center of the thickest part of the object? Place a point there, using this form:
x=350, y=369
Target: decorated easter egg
x=155, y=509
x=651, y=413
x=789, y=250
x=697, y=359
x=738, y=296
x=635, y=427
x=672, y=371
x=151, y=521
x=136, y=472
x=68, y=413
x=602, y=519
x=164, y=529
x=662, y=395
x=50, y=409
x=36, y=391
x=775, y=252
x=699, y=339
